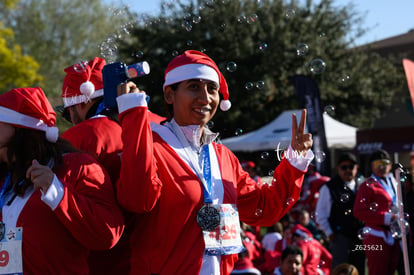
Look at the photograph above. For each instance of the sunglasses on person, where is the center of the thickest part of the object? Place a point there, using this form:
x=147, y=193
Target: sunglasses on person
x=347, y=167
x=381, y=162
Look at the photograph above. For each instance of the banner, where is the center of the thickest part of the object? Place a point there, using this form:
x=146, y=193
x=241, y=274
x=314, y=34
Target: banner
x=307, y=92
x=409, y=74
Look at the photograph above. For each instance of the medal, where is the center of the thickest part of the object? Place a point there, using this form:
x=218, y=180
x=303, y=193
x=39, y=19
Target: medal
x=208, y=218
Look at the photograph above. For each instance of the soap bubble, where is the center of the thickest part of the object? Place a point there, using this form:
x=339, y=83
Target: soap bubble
x=317, y=66
x=231, y=66
x=302, y=49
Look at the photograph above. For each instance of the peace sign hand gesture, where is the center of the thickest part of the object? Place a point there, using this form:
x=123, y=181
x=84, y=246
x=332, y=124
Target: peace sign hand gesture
x=301, y=142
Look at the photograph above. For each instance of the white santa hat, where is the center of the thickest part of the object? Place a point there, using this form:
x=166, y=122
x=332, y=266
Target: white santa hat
x=29, y=108
x=84, y=84
x=197, y=65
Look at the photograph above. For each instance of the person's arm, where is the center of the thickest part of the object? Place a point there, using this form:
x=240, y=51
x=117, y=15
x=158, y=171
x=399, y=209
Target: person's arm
x=265, y=205
x=81, y=196
x=138, y=187
x=323, y=210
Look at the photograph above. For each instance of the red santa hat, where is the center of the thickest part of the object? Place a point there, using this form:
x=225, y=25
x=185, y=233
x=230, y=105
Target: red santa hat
x=197, y=65
x=248, y=164
x=302, y=231
x=29, y=108
x=82, y=85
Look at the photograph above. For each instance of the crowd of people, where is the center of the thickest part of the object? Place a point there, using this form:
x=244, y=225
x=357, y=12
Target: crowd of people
x=125, y=191
x=353, y=229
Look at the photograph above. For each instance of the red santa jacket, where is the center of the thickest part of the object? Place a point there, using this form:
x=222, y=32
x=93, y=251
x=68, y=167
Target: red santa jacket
x=156, y=183
x=88, y=217
x=315, y=256
x=100, y=137
x=372, y=206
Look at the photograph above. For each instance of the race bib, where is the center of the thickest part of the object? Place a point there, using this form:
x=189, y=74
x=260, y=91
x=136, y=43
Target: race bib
x=225, y=239
x=11, y=260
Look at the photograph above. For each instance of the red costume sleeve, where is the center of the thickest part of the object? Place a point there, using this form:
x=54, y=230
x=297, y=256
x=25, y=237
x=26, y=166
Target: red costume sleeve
x=265, y=205
x=88, y=208
x=140, y=180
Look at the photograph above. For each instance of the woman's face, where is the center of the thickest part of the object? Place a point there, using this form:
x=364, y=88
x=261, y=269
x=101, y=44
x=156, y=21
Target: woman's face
x=194, y=101
x=6, y=133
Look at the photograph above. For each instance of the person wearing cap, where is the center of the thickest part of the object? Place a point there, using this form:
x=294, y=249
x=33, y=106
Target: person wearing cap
x=57, y=203
x=316, y=258
x=334, y=213
x=190, y=192
x=376, y=204
x=97, y=132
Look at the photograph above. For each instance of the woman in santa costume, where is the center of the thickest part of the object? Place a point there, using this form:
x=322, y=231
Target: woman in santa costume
x=376, y=204
x=57, y=203
x=189, y=191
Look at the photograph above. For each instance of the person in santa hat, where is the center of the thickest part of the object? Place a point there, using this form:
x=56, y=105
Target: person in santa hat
x=190, y=192
x=317, y=260
x=96, y=131
x=376, y=205
x=57, y=203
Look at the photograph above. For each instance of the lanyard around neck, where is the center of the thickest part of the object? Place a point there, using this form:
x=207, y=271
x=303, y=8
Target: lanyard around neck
x=4, y=188
x=205, y=175
x=387, y=185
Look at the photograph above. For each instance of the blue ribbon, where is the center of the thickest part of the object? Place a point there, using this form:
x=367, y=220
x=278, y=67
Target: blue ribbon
x=206, y=174
x=3, y=189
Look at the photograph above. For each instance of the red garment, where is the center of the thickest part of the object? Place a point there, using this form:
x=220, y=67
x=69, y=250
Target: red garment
x=310, y=193
x=249, y=258
x=315, y=256
x=59, y=241
x=372, y=204
x=272, y=259
x=159, y=185
x=100, y=137
x=253, y=246
x=155, y=118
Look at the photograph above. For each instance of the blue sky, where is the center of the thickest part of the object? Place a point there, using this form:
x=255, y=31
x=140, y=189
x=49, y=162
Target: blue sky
x=384, y=18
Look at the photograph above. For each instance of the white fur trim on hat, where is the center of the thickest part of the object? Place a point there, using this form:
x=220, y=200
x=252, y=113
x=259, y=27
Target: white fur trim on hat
x=70, y=101
x=191, y=71
x=10, y=116
x=301, y=233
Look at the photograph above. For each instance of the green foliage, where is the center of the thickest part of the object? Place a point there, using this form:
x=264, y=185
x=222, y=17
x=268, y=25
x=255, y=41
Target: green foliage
x=262, y=39
x=16, y=69
x=61, y=33
x=58, y=34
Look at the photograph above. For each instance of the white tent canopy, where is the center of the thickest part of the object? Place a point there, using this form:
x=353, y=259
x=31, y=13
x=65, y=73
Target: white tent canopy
x=277, y=134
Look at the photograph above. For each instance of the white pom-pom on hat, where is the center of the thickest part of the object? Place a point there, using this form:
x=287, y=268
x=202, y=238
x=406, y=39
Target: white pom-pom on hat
x=225, y=105
x=52, y=134
x=87, y=88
